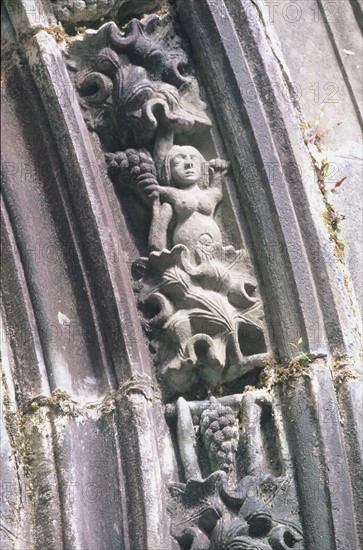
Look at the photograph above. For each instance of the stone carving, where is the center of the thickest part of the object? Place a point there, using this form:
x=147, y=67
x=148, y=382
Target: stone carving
x=219, y=432
x=221, y=511
x=205, y=315
x=199, y=295
x=130, y=85
x=146, y=52
x=137, y=383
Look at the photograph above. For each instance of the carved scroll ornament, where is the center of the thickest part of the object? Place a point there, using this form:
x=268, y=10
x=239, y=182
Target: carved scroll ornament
x=130, y=85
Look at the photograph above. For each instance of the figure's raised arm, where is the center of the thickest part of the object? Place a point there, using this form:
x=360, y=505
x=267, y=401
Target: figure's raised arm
x=218, y=169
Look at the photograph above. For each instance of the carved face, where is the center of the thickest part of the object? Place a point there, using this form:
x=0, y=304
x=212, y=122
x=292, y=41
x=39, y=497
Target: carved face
x=185, y=166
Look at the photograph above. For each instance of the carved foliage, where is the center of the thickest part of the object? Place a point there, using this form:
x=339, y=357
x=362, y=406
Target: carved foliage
x=202, y=312
x=203, y=316
x=224, y=511
x=130, y=84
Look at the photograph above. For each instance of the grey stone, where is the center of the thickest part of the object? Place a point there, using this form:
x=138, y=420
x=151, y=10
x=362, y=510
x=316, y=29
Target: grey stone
x=347, y=162
x=76, y=373
x=135, y=80
x=327, y=78
x=254, y=509
x=86, y=11
x=278, y=467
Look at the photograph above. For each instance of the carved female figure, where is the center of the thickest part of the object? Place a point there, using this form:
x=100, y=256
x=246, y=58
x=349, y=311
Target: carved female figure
x=189, y=196
x=202, y=292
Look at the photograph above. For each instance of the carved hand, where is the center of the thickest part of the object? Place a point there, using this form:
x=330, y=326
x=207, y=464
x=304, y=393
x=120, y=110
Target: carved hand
x=217, y=170
x=149, y=186
x=219, y=164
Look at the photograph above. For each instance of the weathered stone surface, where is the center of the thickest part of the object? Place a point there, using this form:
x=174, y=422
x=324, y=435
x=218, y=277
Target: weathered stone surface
x=196, y=290
x=236, y=112
x=82, y=11
x=130, y=85
x=347, y=162
x=26, y=16
x=142, y=209
x=320, y=473
x=61, y=360
x=14, y=498
x=326, y=68
x=237, y=487
x=326, y=73
x=351, y=402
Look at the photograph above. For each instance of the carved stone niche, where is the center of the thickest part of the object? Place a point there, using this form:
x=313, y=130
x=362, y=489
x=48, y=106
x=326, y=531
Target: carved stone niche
x=194, y=281
x=195, y=286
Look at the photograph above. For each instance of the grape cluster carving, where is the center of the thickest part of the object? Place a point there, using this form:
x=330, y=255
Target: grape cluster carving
x=219, y=433
x=132, y=166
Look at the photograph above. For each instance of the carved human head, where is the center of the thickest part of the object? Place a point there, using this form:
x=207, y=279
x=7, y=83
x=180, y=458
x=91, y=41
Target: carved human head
x=184, y=166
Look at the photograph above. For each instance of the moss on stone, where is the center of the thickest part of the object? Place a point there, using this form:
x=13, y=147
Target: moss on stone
x=58, y=33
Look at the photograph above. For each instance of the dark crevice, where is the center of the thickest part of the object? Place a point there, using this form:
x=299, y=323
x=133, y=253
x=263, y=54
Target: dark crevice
x=270, y=441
